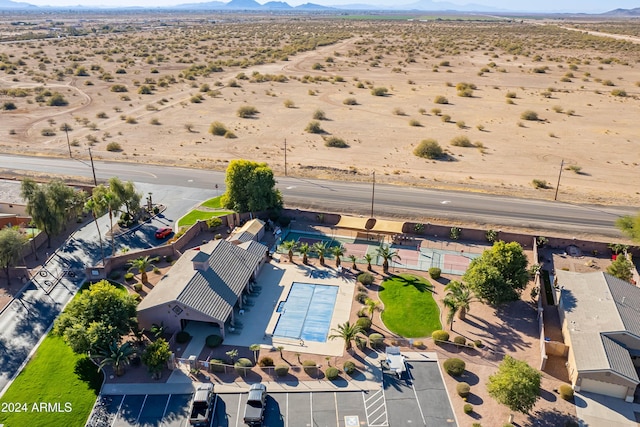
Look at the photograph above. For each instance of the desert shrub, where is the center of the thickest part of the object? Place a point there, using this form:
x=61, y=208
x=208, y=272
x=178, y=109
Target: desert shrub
x=230, y=135
x=57, y=100
x=216, y=365
x=350, y=101
x=47, y=132
x=242, y=366
x=429, y=149
x=128, y=276
x=540, y=183
x=398, y=112
x=511, y=95
x=349, y=367
x=363, y=312
x=418, y=344
x=281, y=370
x=247, y=111
x=130, y=120
x=461, y=141
x=463, y=389
x=155, y=121
x=454, y=366
x=379, y=91
x=445, y=118
x=460, y=340
x=366, y=279
x=213, y=341
x=309, y=367
x=332, y=373
x=415, y=123
x=137, y=287
x=364, y=323
x=8, y=106
x=435, y=272
x=467, y=408
x=319, y=115
x=145, y=90
x=361, y=297
x=466, y=93
x=440, y=335
x=565, y=391
x=265, y=361
x=289, y=103
x=574, y=168
x=478, y=344
x=619, y=92
x=335, y=142
x=436, y=111
x=118, y=88
x=114, y=146
x=441, y=100
x=182, y=337
x=376, y=340
x=529, y=115
x=454, y=233
x=314, y=127
x=217, y=128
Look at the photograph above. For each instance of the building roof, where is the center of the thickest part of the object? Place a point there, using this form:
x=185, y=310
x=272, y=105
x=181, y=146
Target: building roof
x=243, y=236
x=598, y=306
x=212, y=290
x=254, y=226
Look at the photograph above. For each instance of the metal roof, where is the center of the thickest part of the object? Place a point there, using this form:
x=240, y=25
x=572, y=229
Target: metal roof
x=619, y=358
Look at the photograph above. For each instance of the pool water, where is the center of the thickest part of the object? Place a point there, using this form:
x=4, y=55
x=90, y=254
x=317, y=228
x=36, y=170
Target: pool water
x=307, y=312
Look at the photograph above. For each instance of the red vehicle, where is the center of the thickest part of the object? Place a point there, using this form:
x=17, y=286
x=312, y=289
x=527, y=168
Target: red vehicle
x=161, y=233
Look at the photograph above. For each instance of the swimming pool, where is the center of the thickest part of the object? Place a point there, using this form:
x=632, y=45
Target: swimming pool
x=307, y=312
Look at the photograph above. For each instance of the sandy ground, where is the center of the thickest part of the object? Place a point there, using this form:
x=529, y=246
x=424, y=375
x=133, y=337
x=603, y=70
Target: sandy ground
x=599, y=138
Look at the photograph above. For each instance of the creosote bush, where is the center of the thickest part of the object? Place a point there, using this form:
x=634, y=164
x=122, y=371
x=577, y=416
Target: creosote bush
x=529, y=115
x=428, y=149
x=565, y=391
x=454, y=366
x=114, y=146
x=379, y=91
x=218, y=129
x=314, y=127
x=461, y=141
x=334, y=141
x=350, y=101
x=441, y=100
x=540, y=184
x=247, y=111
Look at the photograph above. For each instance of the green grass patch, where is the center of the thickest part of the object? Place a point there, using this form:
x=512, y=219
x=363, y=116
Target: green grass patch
x=55, y=376
x=196, y=215
x=213, y=203
x=409, y=307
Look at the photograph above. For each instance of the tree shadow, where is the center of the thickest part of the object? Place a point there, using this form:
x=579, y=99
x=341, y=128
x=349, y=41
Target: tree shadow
x=552, y=418
x=569, y=301
x=474, y=399
x=547, y=395
x=469, y=378
x=414, y=281
x=88, y=372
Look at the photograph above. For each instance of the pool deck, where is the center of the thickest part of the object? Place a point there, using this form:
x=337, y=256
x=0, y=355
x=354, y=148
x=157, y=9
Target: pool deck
x=259, y=320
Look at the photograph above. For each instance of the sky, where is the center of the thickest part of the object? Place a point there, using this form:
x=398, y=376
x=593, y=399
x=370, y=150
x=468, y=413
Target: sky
x=588, y=6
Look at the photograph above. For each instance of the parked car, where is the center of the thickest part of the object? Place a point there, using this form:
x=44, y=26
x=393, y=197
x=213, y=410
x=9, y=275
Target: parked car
x=202, y=406
x=163, y=232
x=254, y=409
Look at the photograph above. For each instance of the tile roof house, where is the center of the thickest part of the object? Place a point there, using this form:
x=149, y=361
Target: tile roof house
x=600, y=316
x=251, y=230
x=204, y=285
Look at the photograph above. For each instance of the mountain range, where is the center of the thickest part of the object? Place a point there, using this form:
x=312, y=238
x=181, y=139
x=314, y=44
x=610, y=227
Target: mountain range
x=420, y=5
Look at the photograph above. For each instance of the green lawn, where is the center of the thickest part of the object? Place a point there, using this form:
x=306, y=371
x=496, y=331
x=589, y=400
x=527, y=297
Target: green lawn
x=53, y=376
x=213, y=203
x=195, y=215
x=409, y=307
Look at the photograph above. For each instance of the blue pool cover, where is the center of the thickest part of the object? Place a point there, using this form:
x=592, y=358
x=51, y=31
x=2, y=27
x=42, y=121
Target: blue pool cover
x=307, y=312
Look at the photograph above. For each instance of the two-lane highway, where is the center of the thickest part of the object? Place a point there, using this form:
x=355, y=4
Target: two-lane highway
x=355, y=197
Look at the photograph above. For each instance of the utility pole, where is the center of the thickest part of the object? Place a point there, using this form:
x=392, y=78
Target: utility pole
x=373, y=192
x=559, y=175
x=285, y=157
x=93, y=169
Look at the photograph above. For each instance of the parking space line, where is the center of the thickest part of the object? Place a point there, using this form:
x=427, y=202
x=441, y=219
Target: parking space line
x=416, y=395
x=286, y=419
x=141, y=408
x=380, y=420
x=238, y=411
x=118, y=411
x=166, y=406
x=335, y=399
x=311, y=407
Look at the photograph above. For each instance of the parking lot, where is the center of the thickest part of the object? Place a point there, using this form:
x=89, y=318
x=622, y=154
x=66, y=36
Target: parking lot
x=418, y=398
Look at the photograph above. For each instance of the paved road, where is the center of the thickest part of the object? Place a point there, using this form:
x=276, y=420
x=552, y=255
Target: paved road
x=352, y=197
x=26, y=319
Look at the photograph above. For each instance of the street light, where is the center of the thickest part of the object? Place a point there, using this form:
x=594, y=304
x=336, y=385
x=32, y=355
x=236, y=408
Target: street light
x=93, y=169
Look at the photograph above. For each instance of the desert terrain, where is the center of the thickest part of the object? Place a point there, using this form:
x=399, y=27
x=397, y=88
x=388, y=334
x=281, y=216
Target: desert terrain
x=152, y=88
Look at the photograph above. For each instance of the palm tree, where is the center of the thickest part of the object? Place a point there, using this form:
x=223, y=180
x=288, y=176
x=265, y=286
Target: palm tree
x=96, y=210
x=289, y=246
x=353, y=260
x=347, y=332
x=461, y=296
x=321, y=249
x=255, y=348
x=116, y=356
x=372, y=306
x=304, y=250
x=109, y=202
x=142, y=264
x=387, y=254
x=337, y=252
x=452, y=310
x=368, y=258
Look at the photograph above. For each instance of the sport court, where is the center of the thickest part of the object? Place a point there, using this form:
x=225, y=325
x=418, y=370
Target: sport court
x=306, y=313
x=412, y=257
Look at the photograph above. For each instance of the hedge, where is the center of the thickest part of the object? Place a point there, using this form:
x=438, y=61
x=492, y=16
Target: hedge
x=309, y=367
x=566, y=392
x=440, y=335
x=364, y=323
x=266, y=361
x=375, y=339
x=182, y=337
x=349, y=367
x=468, y=408
x=242, y=365
x=435, y=272
x=454, y=366
x=281, y=370
x=366, y=279
x=463, y=389
x=460, y=340
x=213, y=341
